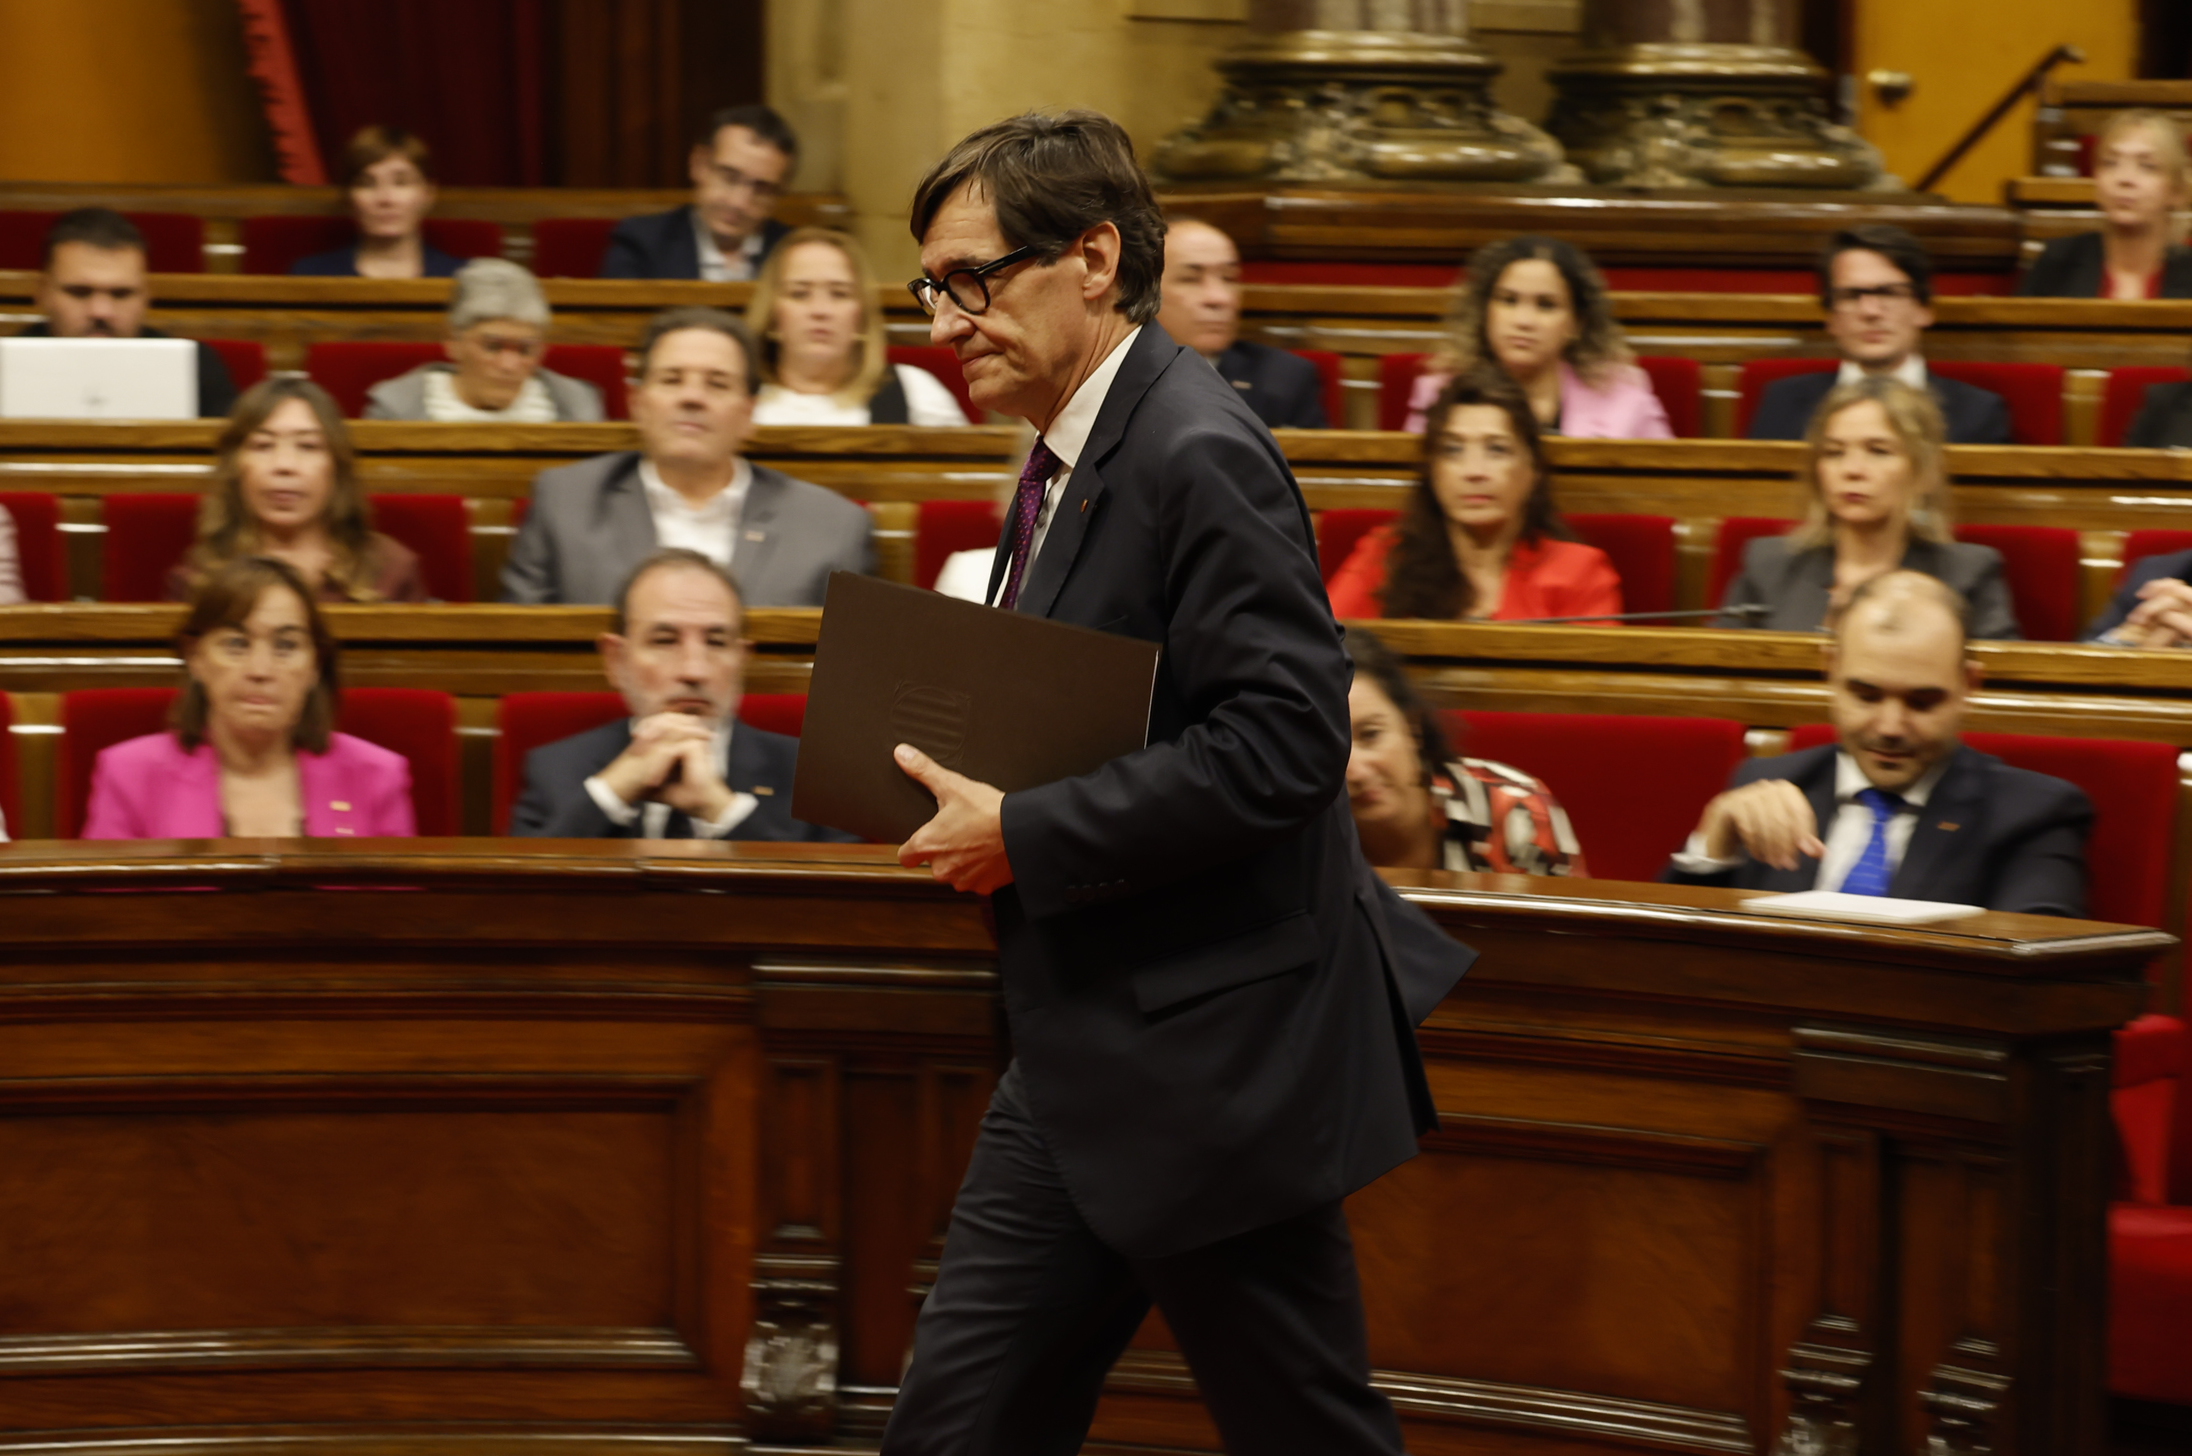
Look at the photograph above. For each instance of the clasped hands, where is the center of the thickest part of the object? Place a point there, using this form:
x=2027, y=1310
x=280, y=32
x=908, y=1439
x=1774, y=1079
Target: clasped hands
x=964, y=844
x=1770, y=820
x=664, y=742
x=2163, y=617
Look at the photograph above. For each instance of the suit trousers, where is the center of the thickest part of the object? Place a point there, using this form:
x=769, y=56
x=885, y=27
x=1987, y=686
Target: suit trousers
x=1031, y=1309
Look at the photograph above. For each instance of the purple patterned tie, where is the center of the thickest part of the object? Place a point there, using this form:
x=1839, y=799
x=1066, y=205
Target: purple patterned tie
x=1027, y=504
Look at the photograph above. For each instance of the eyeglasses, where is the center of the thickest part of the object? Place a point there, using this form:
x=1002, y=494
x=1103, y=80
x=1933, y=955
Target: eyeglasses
x=968, y=287
x=1885, y=292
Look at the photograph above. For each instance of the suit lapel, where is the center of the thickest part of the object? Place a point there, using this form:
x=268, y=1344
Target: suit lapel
x=1943, y=826
x=755, y=534
x=627, y=525
x=682, y=253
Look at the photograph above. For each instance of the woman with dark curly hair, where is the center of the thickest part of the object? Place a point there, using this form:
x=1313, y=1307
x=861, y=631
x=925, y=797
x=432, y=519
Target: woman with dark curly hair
x=1480, y=537
x=1537, y=308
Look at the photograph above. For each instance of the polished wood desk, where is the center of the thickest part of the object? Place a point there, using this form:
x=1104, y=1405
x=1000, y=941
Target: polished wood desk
x=430, y=1144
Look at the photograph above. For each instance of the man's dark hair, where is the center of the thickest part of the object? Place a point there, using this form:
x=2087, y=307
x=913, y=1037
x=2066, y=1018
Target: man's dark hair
x=762, y=121
x=1051, y=179
x=663, y=559
x=693, y=316
x=1891, y=243
x=101, y=227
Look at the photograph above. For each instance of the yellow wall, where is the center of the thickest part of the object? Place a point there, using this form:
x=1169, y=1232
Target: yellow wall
x=1963, y=54
x=127, y=91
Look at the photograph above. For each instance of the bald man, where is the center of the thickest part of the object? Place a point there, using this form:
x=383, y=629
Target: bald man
x=1202, y=309
x=1898, y=805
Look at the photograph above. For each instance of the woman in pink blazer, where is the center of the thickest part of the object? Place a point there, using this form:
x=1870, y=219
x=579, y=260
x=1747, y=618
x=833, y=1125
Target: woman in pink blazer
x=1481, y=537
x=253, y=753
x=1538, y=309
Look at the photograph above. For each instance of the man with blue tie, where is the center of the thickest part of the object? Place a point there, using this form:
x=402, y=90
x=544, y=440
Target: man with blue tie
x=1897, y=805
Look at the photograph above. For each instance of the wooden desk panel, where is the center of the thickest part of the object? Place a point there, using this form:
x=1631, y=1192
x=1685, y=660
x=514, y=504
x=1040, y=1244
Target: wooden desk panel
x=656, y=1148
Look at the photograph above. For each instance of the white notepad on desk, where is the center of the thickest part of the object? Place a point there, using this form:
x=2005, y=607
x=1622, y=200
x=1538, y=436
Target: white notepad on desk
x=1834, y=905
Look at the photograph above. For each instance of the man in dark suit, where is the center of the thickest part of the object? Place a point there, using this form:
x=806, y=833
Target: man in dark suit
x=681, y=767
x=1202, y=309
x=2153, y=607
x=93, y=285
x=1210, y=992
x=1898, y=805
x=1876, y=283
x=739, y=172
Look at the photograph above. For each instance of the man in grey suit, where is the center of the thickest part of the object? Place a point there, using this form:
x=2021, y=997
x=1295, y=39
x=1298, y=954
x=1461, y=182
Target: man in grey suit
x=687, y=485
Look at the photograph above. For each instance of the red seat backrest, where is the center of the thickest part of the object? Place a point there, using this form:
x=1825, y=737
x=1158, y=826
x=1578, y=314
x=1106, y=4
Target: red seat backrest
x=2152, y=1101
x=2126, y=396
x=939, y=360
x=784, y=713
x=274, y=244
x=439, y=529
x=2034, y=392
x=39, y=552
x=1758, y=374
x=2041, y=566
x=349, y=368
x=1396, y=380
x=93, y=719
x=2141, y=544
x=146, y=536
x=1330, y=371
x=571, y=247
x=245, y=358
x=464, y=237
x=174, y=241
x=1340, y=532
x=1642, y=550
x=11, y=799
x=1680, y=385
x=601, y=365
x=948, y=526
x=1633, y=786
x=1737, y=532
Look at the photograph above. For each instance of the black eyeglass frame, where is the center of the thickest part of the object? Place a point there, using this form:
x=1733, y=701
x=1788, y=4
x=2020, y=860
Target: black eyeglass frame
x=925, y=289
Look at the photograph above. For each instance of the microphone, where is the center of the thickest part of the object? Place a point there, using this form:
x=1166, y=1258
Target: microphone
x=1748, y=611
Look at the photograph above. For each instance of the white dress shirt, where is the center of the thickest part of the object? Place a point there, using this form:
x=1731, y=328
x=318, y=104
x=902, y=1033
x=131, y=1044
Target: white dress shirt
x=654, y=815
x=1912, y=371
x=716, y=266
x=534, y=405
x=710, y=528
x=1067, y=437
x=1847, y=837
x=928, y=402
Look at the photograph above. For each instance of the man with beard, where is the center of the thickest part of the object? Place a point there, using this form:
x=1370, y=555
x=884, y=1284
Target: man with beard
x=92, y=286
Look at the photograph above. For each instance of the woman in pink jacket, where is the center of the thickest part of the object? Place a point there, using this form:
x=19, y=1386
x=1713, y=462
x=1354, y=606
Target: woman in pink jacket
x=1537, y=308
x=253, y=753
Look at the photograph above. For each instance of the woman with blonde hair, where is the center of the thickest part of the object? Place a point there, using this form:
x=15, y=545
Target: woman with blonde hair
x=285, y=485
x=1538, y=309
x=824, y=358
x=1876, y=500
x=2141, y=180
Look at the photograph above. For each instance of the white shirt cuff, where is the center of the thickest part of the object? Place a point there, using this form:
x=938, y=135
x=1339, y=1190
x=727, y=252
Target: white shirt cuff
x=1692, y=859
x=621, y=814
x=734, y=814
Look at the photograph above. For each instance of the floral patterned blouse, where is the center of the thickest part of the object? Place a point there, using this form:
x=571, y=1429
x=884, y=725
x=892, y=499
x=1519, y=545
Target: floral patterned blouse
x=1499, y=820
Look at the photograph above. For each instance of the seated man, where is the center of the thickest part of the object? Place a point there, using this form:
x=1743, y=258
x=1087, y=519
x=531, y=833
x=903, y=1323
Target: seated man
x=2153, y=607
x=92, y=286
x=681, y=767
x=739, y=170
x=1202, y=309
x=1877, y=285
x=1898, y=806
x=687, y=485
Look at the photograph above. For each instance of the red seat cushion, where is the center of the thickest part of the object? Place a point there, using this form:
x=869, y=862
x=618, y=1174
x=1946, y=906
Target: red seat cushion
x=1331, y=372
x=39, y=552
x=1396, y=380
x=1642, y=551
x=2126, y=396
x=2150, y=1302
x=939, y=360
x=174, y=241
x=93, y=719
x=275, y=244
x=1680, y=385
x=1633, y=786
x=245, y=358
x=1737, y=532
x=784, y=713
x=146, y=536
x=1760, y=374
x=2141, y=544
x=2034, y=392
x=948, y=526
x=349, y=368
x=2153, y=1071
x=571, y=247
x=601, y=365
x=1340, y=532
x=439, y=529
x=2041, y=564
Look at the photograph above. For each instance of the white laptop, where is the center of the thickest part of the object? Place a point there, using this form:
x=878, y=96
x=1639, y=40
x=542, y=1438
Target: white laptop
x=98, y=379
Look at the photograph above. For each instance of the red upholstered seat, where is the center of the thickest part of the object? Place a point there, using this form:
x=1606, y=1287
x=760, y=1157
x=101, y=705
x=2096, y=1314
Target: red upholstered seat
x=939, y=360
x=571, y=247
x=1633, y=786
x=348, y=368
x=601, y=365
x=534, y=720
x=2034, y=392
x=1737, y=532
x=174, y=241
x=1340, y=531
x=2150, y=1229
x=1642, y=551
x=1396, y=381
x=2139, y=545
x=274, y=244
x=948, y=526
x=39, y=552
x=11, y=799
x=1759, y=374
x=2041, y=566
x=245, y=358
x=2126, y=396
x=146, y=536
x=1330, y=372
x=439, y=529
x=420, y=725
x=1680, y=385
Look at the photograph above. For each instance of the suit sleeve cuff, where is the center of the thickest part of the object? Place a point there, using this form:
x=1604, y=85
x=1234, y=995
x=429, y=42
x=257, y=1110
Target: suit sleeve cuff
x=619, y=813
x=734, y=814
x=1692, y=859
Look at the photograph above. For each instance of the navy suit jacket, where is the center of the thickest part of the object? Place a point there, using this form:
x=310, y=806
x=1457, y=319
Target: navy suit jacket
x=2176, y=564
x=555, y=804
x=1210, y=1002
x=661, y=245
x=1991, y=835
x=343, y=263
x=1975, y=416
x=1285, y=390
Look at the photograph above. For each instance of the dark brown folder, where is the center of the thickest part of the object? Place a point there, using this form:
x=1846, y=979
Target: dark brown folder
x=1002, y=697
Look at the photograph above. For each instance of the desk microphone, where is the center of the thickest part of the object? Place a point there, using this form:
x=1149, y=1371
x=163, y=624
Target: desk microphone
x=1749, y=611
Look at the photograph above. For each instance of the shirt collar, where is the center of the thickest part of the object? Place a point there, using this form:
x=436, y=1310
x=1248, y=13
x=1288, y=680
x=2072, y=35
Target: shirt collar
x=1912, y=371
x=1850, y=781
x=661, y=495
x=1068, y=435
x=749, y=251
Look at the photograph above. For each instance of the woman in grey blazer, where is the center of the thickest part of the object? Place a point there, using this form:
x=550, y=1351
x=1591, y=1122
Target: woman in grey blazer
x=1876, y=500
x=498, y=332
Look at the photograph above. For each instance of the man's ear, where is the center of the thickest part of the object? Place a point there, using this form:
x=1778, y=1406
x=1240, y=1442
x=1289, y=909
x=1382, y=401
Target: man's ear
x=1974, y=675
x=1100, y=248
x=612, y=647
x=700, y=160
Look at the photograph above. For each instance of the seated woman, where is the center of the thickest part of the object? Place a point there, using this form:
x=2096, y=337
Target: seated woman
x=823, y=355
x=285, y=484
x=253, y=752
x=1419, y=806
x=1537, y=308
x=1480, y=537
x=2139, y=180
x=498, y=331
x=391, y=191
x=1876, y=499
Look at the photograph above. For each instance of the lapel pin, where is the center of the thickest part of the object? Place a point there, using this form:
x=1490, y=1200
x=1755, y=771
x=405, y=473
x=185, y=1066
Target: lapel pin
x=757, y=535
x=340, y=806
x=764, y=790
x=1950, y=825
x=1084, y=507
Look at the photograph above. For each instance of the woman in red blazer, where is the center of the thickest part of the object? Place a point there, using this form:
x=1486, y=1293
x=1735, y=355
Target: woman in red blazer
x=253, y=753
x=1481, y=538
